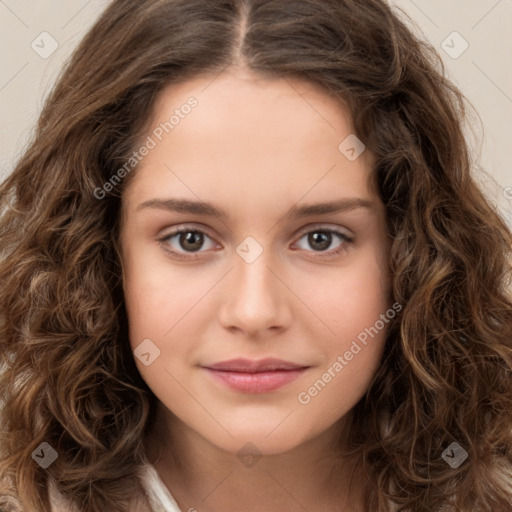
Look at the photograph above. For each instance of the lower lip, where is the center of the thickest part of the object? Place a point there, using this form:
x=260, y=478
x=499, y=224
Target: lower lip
x=261, y=382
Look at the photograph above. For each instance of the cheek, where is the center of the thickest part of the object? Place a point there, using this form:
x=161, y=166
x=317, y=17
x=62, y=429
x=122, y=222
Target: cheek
x=352, y=355
x=158, y=296
x=353, y=298
x=357, y=309
x=338, y=386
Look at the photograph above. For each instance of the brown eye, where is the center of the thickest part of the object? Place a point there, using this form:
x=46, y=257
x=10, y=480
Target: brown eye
x=320, y=240
x=184, y=241
x=190, y=240
x=187, y=242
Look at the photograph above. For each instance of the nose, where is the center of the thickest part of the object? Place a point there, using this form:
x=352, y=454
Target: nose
x=257, y=300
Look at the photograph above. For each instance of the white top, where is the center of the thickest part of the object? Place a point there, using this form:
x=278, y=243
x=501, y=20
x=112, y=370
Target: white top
x=160, y=499
x=159, y=496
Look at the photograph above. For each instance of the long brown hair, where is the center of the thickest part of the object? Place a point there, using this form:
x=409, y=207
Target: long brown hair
x=69, y=379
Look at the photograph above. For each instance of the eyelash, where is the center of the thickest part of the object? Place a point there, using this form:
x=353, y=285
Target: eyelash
x=192, y=256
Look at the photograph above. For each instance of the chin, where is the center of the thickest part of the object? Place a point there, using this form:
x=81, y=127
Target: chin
x=257, y=445
x=263, y=441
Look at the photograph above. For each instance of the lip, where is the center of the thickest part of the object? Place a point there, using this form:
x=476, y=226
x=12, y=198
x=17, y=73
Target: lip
x=249, y=376
x=253, y=366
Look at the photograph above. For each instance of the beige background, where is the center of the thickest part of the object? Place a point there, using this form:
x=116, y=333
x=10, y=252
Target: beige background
x=483, y=71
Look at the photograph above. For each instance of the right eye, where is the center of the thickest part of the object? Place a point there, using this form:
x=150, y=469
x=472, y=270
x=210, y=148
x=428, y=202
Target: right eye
x=184, y=242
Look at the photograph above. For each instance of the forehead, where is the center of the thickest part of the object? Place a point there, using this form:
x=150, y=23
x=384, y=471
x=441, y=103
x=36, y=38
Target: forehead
x=279, y=138
x=242, y=105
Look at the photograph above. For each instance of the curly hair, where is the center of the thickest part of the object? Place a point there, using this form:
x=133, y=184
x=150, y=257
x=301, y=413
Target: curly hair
x=68, y=376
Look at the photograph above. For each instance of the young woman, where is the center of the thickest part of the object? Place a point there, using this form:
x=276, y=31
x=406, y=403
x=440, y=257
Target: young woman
x=245, y=266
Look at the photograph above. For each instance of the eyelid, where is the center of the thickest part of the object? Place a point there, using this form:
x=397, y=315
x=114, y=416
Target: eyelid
x=187, y=227
x=324, y=227
x=305, y=229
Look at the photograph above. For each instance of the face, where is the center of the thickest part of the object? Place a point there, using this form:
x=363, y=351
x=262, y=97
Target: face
x=264, y=323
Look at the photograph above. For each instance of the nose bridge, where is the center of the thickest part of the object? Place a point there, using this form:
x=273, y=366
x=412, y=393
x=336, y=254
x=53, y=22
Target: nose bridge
x=256, y=298
x=252, y=279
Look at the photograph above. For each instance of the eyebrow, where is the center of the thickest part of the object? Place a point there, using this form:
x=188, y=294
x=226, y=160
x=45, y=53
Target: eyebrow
x=296, y=212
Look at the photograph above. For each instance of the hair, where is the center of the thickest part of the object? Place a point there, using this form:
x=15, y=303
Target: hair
x=68, y=376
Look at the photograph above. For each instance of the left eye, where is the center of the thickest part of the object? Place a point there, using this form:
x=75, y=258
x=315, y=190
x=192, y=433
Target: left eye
x=321, y=239
x=190, y=241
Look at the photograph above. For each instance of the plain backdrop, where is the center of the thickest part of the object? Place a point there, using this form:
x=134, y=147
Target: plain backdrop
x=473, y=37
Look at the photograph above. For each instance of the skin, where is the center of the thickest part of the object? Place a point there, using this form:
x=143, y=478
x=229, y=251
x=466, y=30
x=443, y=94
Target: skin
x=255, y=147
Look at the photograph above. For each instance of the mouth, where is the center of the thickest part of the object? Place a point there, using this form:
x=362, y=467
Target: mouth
x=249, y=376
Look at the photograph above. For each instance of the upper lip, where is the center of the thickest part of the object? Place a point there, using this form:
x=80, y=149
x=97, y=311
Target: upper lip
x=251, y=366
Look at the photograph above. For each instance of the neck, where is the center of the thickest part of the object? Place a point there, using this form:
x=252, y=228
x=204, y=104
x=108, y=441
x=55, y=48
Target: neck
x=201, y=476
